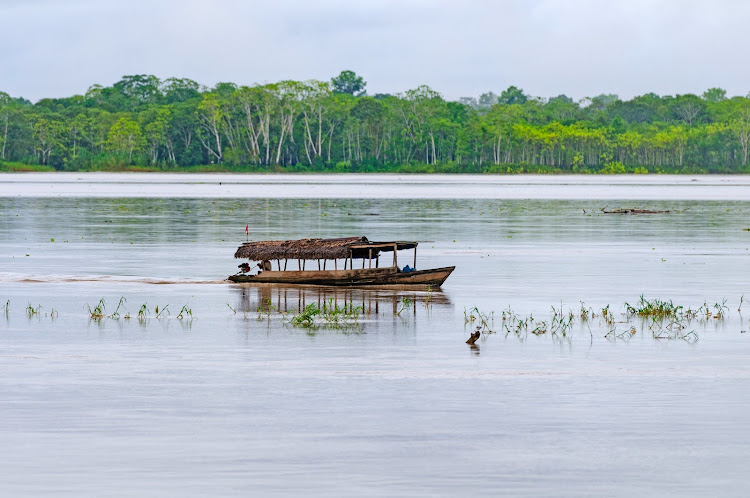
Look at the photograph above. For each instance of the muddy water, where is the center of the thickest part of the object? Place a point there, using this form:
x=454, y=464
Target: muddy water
x=234, y=401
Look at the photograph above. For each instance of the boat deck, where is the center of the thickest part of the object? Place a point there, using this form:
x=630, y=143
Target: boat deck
x=389, y=276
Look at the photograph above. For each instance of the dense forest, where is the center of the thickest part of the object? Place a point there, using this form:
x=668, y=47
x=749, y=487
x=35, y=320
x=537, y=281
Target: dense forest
x=142, y=123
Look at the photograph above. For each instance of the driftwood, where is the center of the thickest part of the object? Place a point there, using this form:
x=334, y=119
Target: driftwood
x=634, y=211
x=474, y=337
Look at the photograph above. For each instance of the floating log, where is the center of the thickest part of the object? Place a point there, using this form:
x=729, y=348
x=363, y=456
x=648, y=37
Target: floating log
x=634, y=211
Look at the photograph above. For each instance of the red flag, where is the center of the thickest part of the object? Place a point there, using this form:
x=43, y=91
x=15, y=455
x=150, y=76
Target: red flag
x=247, y=228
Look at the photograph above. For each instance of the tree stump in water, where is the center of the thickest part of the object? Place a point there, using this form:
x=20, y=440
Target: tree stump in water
x=474, y=337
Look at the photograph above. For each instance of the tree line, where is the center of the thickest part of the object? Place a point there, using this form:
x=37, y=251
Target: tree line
x=176, y=124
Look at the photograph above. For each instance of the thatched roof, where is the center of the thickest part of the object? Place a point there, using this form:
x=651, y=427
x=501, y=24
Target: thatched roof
x=298, y=249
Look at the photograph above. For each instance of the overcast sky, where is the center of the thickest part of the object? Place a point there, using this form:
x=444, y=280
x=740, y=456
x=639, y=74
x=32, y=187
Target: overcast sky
x=58, y=48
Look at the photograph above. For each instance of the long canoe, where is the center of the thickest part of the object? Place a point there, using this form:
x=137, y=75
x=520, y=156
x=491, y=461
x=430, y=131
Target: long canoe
x=389, y=276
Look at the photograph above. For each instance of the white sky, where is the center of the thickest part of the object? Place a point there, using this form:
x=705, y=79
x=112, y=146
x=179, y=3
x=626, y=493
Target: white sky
x=58, y=48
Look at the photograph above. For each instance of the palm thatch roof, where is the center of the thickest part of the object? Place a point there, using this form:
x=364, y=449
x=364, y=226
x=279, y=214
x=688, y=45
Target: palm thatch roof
x=299, y=249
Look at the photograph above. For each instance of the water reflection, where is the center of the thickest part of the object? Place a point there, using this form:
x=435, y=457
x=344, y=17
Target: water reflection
x=376, y=302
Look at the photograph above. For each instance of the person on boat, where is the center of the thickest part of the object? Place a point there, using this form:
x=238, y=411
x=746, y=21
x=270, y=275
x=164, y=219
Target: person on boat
x=244, y=267
x=265, y=265
x=407, y=269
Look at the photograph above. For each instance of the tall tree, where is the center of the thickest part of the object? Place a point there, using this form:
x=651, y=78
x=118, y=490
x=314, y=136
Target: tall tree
x=715, y=95
x=125, y=137
x=689, y=108
x=348, y=82
x=140, y=88
x=5, y=106
x=179, y=90
x=210, y=115
x=512, y=95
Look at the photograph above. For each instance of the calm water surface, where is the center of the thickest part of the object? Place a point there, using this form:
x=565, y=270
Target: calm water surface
x=233, y=403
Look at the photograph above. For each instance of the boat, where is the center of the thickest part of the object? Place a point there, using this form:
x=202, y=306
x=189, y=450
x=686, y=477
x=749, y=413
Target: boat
x=348, y=250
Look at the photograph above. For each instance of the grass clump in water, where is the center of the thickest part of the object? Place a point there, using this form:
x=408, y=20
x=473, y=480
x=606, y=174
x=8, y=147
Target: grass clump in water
x=31, y=311
x=185, y=312
x=327, y=314
x=98, y=311
x=485, y=321
x=656, y=308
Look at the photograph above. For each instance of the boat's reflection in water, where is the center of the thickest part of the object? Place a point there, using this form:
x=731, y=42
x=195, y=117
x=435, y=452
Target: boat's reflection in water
x=375, y=302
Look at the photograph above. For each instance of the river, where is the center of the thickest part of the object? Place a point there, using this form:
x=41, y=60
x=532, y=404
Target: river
x=222, y=399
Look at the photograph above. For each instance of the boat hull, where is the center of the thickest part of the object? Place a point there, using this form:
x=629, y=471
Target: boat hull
x=387, y=277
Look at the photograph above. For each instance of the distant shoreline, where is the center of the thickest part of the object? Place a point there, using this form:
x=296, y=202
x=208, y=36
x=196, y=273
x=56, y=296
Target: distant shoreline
x=403, y=170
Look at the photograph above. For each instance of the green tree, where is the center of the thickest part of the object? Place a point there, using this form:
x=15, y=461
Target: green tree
x=740, y=126
x=689, y=108
x=140, y=88
x=210, y=114
x=125, y=138
x=603, y=101
x=348, y=82
x=47, y=131
x=512, y=95
x=715, y=95
x=155, y=124
x=5, y=106
x=179, y=90
x=487, y=100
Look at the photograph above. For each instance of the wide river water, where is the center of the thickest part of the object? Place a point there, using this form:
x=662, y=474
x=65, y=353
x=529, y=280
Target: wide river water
x=230, y=401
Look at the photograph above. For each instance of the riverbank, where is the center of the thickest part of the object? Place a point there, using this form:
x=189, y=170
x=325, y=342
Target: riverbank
x=405, y=169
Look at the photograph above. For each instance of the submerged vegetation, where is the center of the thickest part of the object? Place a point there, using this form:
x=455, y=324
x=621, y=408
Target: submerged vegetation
x=662, y=319
x=99, y=312
x=328, y=314
x=142, y=123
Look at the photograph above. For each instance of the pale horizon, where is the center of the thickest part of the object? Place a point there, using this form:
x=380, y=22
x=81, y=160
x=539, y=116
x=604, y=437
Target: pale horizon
x=546, y=47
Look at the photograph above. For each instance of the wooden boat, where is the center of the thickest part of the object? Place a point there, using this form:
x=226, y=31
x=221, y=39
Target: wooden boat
x=331, y=251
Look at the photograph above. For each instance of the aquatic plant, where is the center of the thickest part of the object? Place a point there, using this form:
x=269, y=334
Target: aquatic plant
x=512, y=323
x=654, y=308
x=561, y=324
x=230, y=307
x=266, y=309
x=98, y=312
x=31, y=311
x=428, y=297
x=160, y=314
x=484, y=320
x=116, y=313
x=404, y=304
x=327, y=314
x=607, y=314
x=307, y=317
x=143, y=312
x=612, y=334
x=720, y=309
x=673, y=331
x=585, y=312
x=6, y=307
x=185, y=311
x=540, y=328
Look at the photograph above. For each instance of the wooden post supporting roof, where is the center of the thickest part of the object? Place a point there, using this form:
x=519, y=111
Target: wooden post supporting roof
x=395, y=257
x=415, y=257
